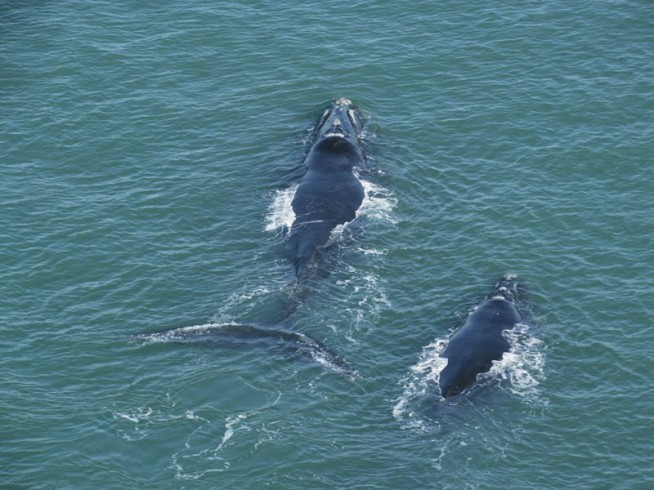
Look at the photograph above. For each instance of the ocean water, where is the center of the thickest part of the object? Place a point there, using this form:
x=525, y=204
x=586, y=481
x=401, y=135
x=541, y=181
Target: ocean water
x=148, y=155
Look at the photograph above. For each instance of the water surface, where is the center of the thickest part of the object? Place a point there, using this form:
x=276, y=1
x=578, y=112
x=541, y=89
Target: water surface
x=147, y=160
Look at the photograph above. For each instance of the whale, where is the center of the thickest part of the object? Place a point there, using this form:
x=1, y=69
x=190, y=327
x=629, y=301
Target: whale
x=472, y=349
x=329, y=194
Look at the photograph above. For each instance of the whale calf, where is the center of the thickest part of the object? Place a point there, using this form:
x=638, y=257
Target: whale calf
x=472, y=349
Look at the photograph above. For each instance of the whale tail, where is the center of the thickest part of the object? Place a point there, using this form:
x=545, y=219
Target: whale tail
x=289, y=342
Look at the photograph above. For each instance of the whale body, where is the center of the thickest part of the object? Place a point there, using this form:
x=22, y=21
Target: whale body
x=472, y=348
x=329, y=193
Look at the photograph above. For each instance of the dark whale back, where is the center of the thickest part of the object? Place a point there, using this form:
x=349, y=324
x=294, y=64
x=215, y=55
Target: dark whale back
x=329, y=194
x=479, y=342
x=335, y=154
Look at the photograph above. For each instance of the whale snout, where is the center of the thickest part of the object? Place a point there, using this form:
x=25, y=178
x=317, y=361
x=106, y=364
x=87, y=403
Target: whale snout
x=343, y=101
x=341, y=119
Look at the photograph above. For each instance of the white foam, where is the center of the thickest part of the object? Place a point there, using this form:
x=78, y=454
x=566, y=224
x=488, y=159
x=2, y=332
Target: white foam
x=423, y=378
x=139, y=415
x=200, y=455
x=372, y=251
x=135, y=424
x=378, y=203
x=280, y=213
x=523, y=366
x=231, y=425
x=176, y=333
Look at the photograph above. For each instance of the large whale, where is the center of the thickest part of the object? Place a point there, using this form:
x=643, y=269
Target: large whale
x=480, y=341
x=329, y=194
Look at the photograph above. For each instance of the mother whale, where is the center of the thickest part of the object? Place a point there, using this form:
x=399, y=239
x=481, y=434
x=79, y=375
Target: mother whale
x=479, y=342
x=329, y=194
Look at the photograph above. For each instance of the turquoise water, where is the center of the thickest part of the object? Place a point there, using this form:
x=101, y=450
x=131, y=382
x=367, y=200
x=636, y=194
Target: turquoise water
x=148, y=155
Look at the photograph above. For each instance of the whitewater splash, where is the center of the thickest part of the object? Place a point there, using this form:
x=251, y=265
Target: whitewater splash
x=521, y=370
x=280, y=214
x=135, y=424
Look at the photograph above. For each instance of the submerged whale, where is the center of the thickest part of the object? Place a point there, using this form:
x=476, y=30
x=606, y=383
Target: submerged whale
x=277, y=338
x=480, y=341
x=329, y=194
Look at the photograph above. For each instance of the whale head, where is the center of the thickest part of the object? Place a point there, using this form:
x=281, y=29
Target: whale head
x=507, y=288
x=341, y=120
x=337, y=139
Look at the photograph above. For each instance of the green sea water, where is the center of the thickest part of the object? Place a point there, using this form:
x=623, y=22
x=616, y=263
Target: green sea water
x=147, y=156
